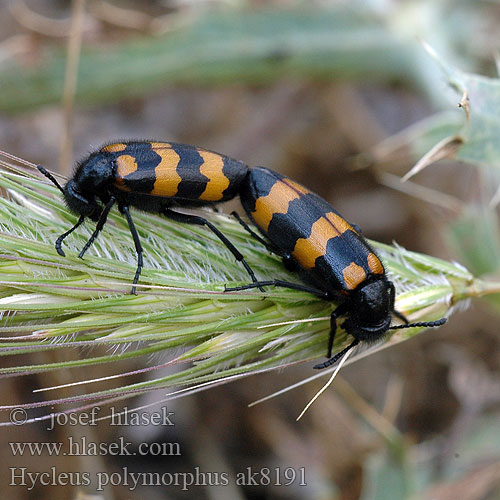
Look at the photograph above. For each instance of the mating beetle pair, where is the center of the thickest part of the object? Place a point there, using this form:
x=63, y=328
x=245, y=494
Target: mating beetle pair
x=332, y=258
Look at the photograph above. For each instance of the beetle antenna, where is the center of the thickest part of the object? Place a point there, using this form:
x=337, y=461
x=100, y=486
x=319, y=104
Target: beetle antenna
x=337, y=356
x=51, y=178
x=425, y=324
x=43, y=170
x=16, y=158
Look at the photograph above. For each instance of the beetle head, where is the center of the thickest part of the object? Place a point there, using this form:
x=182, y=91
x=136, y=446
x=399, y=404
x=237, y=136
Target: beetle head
x=90, y=181
x=371, y=307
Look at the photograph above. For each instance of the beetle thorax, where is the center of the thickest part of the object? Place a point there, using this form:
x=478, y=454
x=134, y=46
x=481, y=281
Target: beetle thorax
x=95, y=174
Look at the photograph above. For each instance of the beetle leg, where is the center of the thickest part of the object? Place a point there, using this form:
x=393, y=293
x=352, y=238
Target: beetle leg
x=331, y=337
x=59, y=240
x=333, y=327
x=260, y=239
x=201, y=221
x=138, y=247
x=288, y=261
x=280, y=283
x=99, y=226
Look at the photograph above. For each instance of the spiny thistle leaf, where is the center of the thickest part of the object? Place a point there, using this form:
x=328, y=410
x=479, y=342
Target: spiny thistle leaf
x=181, y=313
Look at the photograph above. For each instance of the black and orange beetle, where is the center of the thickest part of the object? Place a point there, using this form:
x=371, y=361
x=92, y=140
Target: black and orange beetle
x=154, y=177
x=332, y=258
x=329, y=254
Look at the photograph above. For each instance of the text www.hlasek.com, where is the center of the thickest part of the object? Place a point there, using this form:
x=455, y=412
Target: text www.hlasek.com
x=83, y=447
x=264, y=476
